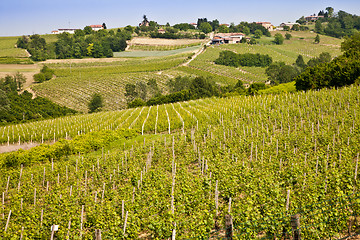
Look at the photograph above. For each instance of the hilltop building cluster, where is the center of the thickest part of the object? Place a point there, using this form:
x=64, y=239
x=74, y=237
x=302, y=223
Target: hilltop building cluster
x=72, y=30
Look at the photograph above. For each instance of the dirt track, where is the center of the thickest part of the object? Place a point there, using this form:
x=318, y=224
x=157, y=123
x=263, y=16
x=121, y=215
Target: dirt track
x=15, y=147
x=159, y=42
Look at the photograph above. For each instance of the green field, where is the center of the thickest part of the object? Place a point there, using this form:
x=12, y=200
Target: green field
x=8, y=49
x=268, y=157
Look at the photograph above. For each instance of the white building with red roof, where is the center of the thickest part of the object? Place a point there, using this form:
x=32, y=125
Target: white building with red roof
x=96, y=27
x=221, y=38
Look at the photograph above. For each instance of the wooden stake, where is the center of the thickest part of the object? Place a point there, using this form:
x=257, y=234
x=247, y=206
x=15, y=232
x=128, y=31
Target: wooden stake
x=34, y=196
x=122, y=209
x=229, y=209
x=288, y=200
x=356, y=166
x=97, y=234
x=68, y=232
x=41, y=217
x=295, y=225
x=3, y=205
x=173, y=232
x=216, y=197
x=21, y=234
x=82, y=220
x=52, y=232
x=7, y=221
x=228, y=227
x=7, y=184
x=126, y=216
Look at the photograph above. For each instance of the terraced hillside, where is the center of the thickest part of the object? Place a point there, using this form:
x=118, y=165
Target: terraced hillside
x=260, y=159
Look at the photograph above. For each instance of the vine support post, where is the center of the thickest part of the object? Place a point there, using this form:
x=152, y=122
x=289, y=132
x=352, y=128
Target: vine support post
x=295, y=226
x=173, y=232
x=7, y=221
x=126, y=216
x=228, y=227
x=97, y=234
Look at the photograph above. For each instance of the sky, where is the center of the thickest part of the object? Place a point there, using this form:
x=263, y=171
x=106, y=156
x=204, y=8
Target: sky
x=23, y=17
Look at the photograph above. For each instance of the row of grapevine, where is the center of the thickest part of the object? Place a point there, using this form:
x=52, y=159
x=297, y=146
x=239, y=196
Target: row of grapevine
x=260, y=158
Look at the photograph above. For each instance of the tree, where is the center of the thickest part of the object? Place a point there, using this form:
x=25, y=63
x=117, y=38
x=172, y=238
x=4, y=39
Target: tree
x=138, y=102
x=286, y=28
x=96, y=103
x=88, y=30
x=318, y=27
x=255, y=87
x=288, y=36
x=300, y=62
x=20, y=80
x=129, y=28
x=39, y=77
x=295, y=27
x=239, y=86
x=153, y=87
x=317, y=39
x=130, y=91
x=253, y=41
x=200, y=21
x=351, y=44
x=104, y=26
x=4, y=101
x=258, y=33
x=330, y=11
x=279, y=39
x=301, y=20
x=205, y=27
x=215, y=24
x=246, y=31
x=223, y=29
x=22, y=42
x=141, y=89
x=278, y=73
x=145, y=19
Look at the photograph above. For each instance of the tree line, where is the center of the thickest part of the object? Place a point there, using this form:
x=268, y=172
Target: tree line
x=229, y=58
x=83, y=43
x=341, y=71
x=336, y=24
x=16, y=108
x=279, y=72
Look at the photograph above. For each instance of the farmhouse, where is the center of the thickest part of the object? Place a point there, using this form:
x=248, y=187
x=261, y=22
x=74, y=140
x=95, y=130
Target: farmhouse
x=312, y=18
x=290, y=25
x=221, y=38
x=266, y=25
x=194, y=24
x=62, y=30
x=96, y=27
x=161, y=30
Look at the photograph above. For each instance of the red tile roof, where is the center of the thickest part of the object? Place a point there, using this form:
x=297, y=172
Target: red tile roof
x=96, y=26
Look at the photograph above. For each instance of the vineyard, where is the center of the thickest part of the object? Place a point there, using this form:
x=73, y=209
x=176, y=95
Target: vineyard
x=260, y=159
x=76, y=82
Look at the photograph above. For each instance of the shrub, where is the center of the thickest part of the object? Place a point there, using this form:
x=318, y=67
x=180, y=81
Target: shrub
x=39, y=77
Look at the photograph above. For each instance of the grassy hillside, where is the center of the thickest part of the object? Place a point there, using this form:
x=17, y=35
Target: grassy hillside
x=8, y=49
x=267, y=157
x=301, y=43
